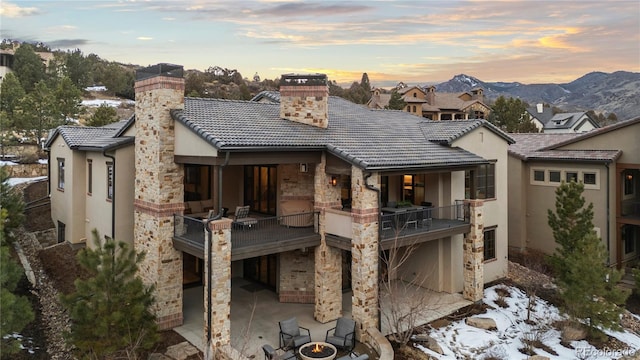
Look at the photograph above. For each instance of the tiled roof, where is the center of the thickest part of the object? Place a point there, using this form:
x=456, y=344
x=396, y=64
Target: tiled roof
x=540, y=146
x=563, y=120
x=446, y=131
x=544, y=116
x=371, y=139
x=91, y=138
x=267, y=96
x=596, y=132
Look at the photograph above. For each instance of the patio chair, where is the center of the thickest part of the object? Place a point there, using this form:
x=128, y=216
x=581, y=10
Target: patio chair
x=291, y=335
x=277, y=354
x=343, y=335
x=354, y=356
x=241, y=218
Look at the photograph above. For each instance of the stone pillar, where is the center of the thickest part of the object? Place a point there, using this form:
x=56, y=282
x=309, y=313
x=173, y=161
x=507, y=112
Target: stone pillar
x=159, y=191
x=473, y=257
x=219, y=304
x=328, y=260
x=365, y=255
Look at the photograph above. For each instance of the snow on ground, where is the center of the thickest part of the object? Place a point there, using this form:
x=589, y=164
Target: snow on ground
x=16, y=181
x=112, y=103
x=458, y=339
x=95, y=88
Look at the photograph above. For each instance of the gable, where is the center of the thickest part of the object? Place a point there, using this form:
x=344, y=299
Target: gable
x=622, y=138
x=188, y=143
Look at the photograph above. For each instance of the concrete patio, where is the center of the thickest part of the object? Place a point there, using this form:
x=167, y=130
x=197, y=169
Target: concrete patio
x=255, y=312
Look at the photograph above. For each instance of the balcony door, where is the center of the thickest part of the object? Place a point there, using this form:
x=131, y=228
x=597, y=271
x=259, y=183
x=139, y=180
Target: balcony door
x=261, y=188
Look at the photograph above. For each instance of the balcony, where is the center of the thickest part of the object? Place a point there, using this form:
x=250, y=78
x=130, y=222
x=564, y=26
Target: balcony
x=267, y=235
x=404, y=226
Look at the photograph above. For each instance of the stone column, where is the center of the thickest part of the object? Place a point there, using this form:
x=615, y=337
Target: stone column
x=159, y=188
x=473, y=257
x=328, y=260
x=219, y=304
x=364, y=253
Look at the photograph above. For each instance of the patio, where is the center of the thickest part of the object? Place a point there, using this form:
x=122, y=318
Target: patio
x=255, y=312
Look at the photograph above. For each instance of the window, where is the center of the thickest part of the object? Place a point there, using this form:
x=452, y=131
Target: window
x=571, y=176
x=60, y=173
x=554, y=176
x=61, y=230
x=589, y=178
x=414, y=108
x=89, y=176
x=480, y=183
x=489, y=244
x=538, y=175
x=629, y=239
x=110, y=181
x=628, y=184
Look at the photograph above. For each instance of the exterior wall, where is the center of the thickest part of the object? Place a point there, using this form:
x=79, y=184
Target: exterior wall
x=98, y=215
x=296, y=283
x=584, y=127
x=159, y=193
x=490, y=146
x=540, y=198
x=625, y=139
x=295, y=185
x=190, y=144
x=425, y=266
x=124, y=194
x=307, y=104
x=232, y=187
x=517, y=185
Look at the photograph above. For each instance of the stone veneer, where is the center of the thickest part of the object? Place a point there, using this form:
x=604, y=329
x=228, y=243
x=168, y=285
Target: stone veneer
x=220, y=302
x=305, y=99
x=328, y=264
x=364, y=253
x=473, y=256
x=296, y=277
x=158, y=193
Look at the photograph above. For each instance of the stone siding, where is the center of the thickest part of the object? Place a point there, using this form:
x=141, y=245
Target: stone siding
x=305, y=104
x=159, y=193
x=473, y=256
x=295, y=185
x=297, y=277
x=26, y=170
x=219, y=304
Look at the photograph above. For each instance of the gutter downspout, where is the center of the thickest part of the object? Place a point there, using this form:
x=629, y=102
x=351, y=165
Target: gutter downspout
x=608, y=217
x=367, y=175
x=113, y=201
x=49, y=173
x=208, y=355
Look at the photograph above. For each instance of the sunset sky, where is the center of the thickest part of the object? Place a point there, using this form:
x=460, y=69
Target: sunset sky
x=417, y=42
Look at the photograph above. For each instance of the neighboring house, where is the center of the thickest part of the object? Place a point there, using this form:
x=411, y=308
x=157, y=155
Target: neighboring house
x=7, y=57
x=606, y=160
x=546, y=121
x=91, y=176
x=428, y=103
x=319, y=175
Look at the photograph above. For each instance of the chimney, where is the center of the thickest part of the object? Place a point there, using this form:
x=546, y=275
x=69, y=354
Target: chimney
x=431, y=95
x=539, y=108
x=477, y=94
x=158, y=187
x=305, y=99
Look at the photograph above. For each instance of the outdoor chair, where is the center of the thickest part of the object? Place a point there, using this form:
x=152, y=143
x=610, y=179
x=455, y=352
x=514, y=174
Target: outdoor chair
x=277, y=354
x=291, y=335
x=354, y=356
x=241, y=218
x=343, y=335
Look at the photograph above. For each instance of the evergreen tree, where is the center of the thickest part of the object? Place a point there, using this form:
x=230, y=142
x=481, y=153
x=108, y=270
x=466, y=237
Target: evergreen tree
x=110, y=311
x=38, y=112
x=10, y=201
x=28, y=67
x=78, y=69
x=396, y=102
x=587, y=286
x=509, y=114
x=365, y=84
x=68, y=100
x=103, y=115
x=12, y=92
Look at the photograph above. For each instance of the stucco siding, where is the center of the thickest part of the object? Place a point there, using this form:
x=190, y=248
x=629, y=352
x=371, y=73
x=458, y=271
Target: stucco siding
x=190, y=144
x=125, y=180
x=626, y=139
x=98, y=215
x=517, y=202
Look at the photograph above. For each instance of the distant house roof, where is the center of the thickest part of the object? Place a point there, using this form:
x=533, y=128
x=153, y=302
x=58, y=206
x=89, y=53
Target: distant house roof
x=541, y=146
x=445, y=132
x=596, y=132
x=544, y=116
x=370, y=139
x=90, y=138
x=567, y=120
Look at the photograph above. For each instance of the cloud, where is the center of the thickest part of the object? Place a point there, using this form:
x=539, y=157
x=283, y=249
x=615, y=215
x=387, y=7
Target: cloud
x=144, y=38
x=67, y=43
x=12, y=10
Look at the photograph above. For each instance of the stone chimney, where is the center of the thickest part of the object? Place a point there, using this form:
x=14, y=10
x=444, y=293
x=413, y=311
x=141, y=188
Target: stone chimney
x=431, y=95
x=159, y=191
x=540, y=108
x=477, y=94
x=305, y=99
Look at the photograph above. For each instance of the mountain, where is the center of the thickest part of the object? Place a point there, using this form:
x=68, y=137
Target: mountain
x=617, y=92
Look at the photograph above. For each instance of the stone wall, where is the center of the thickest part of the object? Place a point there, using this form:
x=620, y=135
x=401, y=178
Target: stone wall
x=297, y=277
x=26, y=170
x=295, y=185
x=473, y=256
x=307, y=104
x=219, y=305
x=159, y=193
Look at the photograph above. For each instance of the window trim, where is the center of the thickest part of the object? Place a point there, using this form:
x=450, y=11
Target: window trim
x=89, y=177
x=563, y=175
x=110, y=181
x=61, y=166
x=472, y=182
x=490, y=229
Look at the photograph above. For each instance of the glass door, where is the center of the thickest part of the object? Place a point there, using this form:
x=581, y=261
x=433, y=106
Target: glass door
x=261, y=188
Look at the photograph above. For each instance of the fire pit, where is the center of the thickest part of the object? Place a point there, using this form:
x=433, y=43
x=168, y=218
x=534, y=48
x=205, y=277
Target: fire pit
x=318, y=350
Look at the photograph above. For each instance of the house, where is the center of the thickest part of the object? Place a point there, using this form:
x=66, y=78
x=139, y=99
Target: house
x=546, y=121
x=7, y=58
x=428, y=103
x=323, y=179
x=606, y=160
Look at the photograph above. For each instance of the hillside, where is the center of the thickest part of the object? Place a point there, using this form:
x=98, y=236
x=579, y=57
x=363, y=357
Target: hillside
x=617, y=92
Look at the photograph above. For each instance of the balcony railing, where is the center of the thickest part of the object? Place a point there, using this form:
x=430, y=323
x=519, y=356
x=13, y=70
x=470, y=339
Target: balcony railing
x=189, y=233
x=421, y=219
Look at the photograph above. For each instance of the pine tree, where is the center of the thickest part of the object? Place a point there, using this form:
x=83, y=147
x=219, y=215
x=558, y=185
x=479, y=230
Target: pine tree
x=110, y=311
x=11, y=201
x=587, y=286
x=103, y=115
x=15, y=311
x=396, y=102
